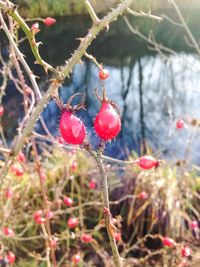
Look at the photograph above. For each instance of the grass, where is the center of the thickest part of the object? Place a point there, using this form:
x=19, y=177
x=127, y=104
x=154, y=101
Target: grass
x=172, y=203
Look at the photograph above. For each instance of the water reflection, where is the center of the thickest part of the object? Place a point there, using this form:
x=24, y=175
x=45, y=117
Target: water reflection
x=151, y=94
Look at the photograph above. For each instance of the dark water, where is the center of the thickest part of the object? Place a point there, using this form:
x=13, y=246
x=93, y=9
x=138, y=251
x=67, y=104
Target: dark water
x=151, y=91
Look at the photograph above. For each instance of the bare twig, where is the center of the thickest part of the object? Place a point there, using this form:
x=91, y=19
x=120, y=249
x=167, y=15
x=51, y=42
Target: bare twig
x=21, y=58
x=91, y=11
x=143, y=14
x=187, y=29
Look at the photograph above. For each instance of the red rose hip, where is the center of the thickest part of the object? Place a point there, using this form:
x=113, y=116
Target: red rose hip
x=11, y=257
x=85, y=238
x=186, y=251
x=103, y=74
x=68, y=201
x=180, y=124
x=72, y=128
x=49, y=21
x=147, y=162
x=107, y=123
x=76, y=258
x=1, y=111
x=168, y=242
x=72, y=222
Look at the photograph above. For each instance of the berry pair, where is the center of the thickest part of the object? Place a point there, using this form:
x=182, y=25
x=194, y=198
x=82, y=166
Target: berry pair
x=107, y=123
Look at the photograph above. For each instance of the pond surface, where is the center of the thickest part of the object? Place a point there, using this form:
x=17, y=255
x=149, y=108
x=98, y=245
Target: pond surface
x=151, y=91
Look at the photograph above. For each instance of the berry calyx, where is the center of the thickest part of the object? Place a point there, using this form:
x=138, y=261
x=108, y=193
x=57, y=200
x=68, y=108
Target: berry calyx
x=72, y=128
x=72, y=222
x=186, y=251
x=49, y=21
x=1, y=111
x=86, y=238
x=180, y=124
x=107, y=123
x=147, y=162
x=68, y=201
x=103, y=74
x=168, y=242
x=35, y=28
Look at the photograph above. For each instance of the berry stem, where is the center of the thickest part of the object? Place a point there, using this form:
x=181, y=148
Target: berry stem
x=98, y=158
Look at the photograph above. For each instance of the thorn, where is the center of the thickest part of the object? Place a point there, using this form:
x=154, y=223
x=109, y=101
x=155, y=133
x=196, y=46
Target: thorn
x=39, y=43
x=107, y=27
x=80, y=39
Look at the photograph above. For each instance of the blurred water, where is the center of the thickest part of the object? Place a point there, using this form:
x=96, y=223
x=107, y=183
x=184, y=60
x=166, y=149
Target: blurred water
x=171, y=90
x=152, y=91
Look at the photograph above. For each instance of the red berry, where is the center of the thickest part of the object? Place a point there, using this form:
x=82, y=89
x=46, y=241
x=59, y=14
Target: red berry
x=107, y=123
x=37, y=214
x=7, y=231
x=40, y=220
x=35, y=27
x=180, y=124
x=169, y=242
x=117, y=237
x=76, y=258
x=11, y=257
x=68, y=201
x=194, y=225
x=1, y=111
x=72, y=222
x=8, y=193
x=186, y=251
x=74, y=166
x=49, y=21
x=21, y=157
x=72, y=128
x=53, y=244
x=103, y=74
x=92, y=184
x=147, y=162
x=143, y=195
x=17, y=170
x=49, y=214
x=183, y=263
x=85, y=238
